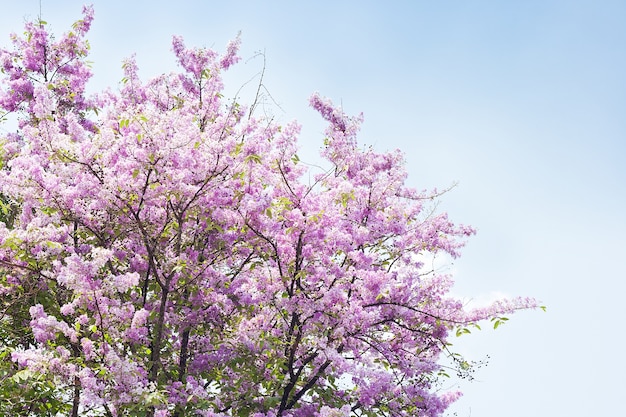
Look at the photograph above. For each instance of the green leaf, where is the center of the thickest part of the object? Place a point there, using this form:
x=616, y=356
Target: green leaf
x=253, y=158
x=23, y=375
x=462, y=331
x=498, y=321
x=180, y=266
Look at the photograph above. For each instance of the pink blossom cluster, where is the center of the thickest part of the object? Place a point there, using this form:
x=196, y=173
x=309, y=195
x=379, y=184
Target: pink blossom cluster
x=170, y=256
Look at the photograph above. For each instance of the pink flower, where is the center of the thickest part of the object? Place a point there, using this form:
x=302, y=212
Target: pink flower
x=67, y=309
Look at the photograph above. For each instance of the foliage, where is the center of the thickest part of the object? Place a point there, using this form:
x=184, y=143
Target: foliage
x=162, y=252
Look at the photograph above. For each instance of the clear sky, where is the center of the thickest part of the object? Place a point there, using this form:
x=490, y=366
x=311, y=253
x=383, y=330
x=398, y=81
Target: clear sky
x=522, y=103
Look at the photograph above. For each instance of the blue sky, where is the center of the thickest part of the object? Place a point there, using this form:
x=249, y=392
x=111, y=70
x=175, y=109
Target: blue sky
x=521, y=103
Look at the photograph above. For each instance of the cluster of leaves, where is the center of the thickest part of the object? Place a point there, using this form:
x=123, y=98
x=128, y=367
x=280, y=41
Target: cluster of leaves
x=161, y=253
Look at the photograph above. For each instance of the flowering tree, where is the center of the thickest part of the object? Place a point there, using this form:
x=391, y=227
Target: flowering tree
x=161, y=253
